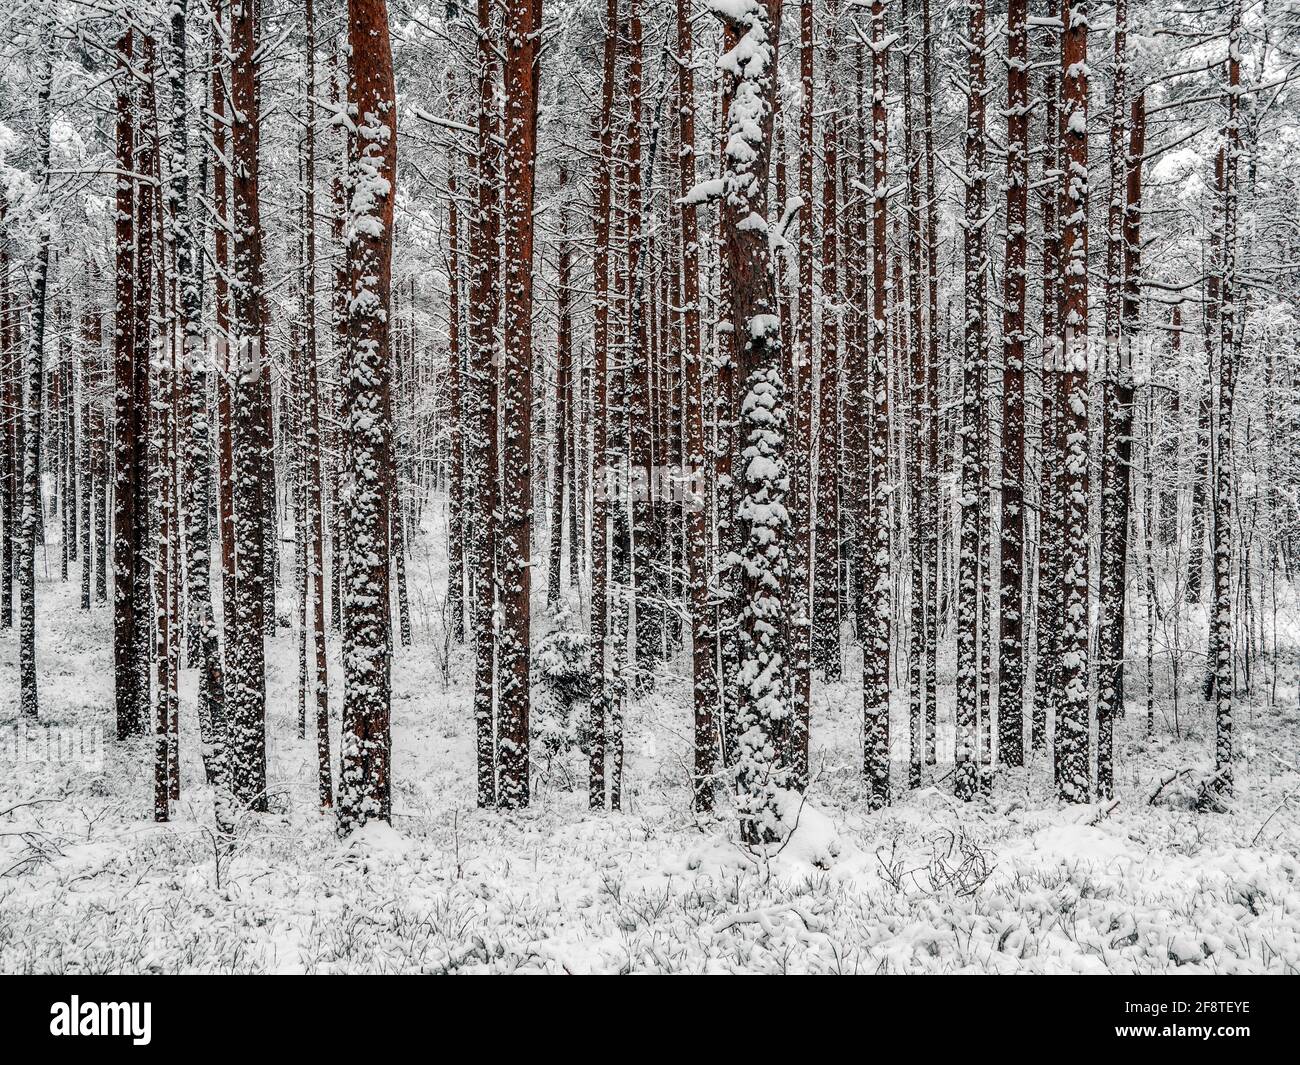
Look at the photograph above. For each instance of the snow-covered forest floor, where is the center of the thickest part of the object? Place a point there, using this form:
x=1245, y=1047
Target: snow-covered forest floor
x=1011, y=883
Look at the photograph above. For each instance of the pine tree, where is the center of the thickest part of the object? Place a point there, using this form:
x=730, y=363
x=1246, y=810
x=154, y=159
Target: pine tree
x=1223, y=636
x=973, y=367
x=1047, y=666
x=483, y=435
x=563, y=399
x=874, y=625
x=827, y=611
x=246, y=651
x=364, y=780
x=1072, y=715
x=1117, y=430
x=314, y=534
x=921, y=614
x=601, y=471
x=33, y=372
x=516, y=404
x=762, y=522
x=1011, y=663
x=703, y=664
x=458, y=405
x=127, y=622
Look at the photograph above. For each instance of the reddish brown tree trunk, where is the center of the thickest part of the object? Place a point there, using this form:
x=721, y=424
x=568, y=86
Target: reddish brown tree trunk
x=516, y=403
x=364, y=783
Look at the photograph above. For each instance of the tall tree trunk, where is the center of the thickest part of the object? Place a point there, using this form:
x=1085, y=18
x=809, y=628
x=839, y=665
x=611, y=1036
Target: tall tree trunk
x=932, y=508
x=1072, y=715
x=1011, y=661
x=1203, y=463
x=802, y=369
x=483, y=324
x=563, y=399
x=33, y=387
x=8, y=427
x=315, y=473
x=875, y=625
x=649, y=626
x=973, y=369
x=225, y=335
x=763, y=699
x=1131, y=328
x=1047, y=666
x=913, y=372
x=827, y=613
x=522, y=24
x=703, y=663
x=250, y=436
x=364, y=781
x=459, y=412
x=213, y=724
x=126, y=666
x=1229, y=339
x=601, y=471
x=1117, y=435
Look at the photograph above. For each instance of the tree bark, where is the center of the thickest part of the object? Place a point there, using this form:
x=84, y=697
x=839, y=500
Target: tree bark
x=763, y=700
x=364, y=781
x=875, y=625
x=33, y=389
x=250, y=438
x=1072, y=716
x=1011, y=661
x=523, y=19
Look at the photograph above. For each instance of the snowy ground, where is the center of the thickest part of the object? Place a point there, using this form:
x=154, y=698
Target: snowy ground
x=89, y=884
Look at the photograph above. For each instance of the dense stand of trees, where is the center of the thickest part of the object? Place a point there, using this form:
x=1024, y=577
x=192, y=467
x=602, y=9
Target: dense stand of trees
x=942, y=339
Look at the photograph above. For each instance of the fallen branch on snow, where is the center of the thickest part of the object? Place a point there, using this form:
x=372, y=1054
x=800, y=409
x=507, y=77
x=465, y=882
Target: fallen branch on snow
x=1151, y=801
x=763, y=917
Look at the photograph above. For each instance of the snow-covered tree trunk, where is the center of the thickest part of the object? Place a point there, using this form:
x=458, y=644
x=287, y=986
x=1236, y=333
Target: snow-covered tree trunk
x=563, y=399
x=932, y=509
x=703, y=646
x=802, y=368
x=601, y=472
x=194, y=368
x=82, y=468
x=1229, y=339
x=975, y=343
x=920, y=609
x=1072, y=714
x=34, y=381
x=763, y=699
x=314, y=534
x=364, y=780
x=647, y=592
x=8, y=420
x=459, y=412
x=1117, y=430
x=875, y=624
x=483, y=434
x=246, y=648
x=1011, y=660
x=1047, y=668
x=221, y=285
x=162, y=488
x=1203, y=461
x=127, y=473
x=1131, y=327
x=9, y=397
x=827, y=611
x=523, y=23
x=339, y=322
